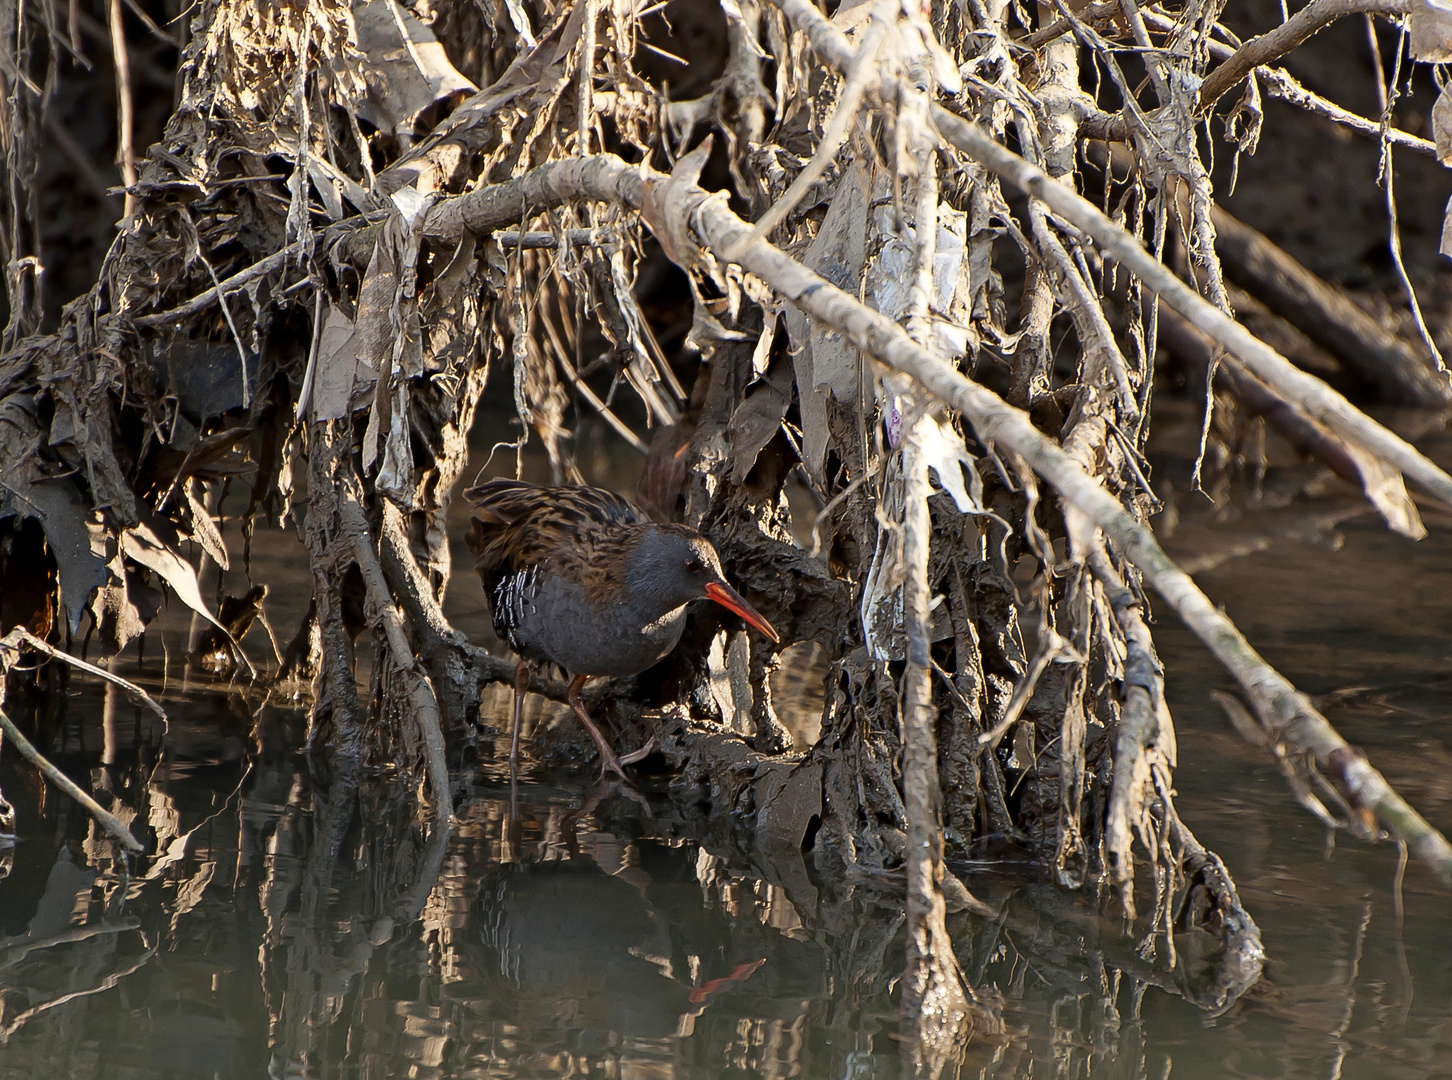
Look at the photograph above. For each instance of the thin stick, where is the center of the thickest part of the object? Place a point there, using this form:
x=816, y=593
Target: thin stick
x=586, y=75
x=934, y=996
x=1387, y=94
x=125, y=153
x=1275, y=44
x=543, y=240
x=109, y=821
x=1283, y=85
x=204, y=300
x=616, y=424
x=21, y=636
x=231, y=325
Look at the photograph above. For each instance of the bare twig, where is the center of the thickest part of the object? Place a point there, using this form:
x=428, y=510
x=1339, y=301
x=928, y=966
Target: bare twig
x=860, y=75
x=1146, y=736
x=586, y=74
x=935, y=998
x=1387, y=92
x=531, y=241
x=125, y=152
x=241, y=279
x=21, y=636
x=1282, y=84
x=1271, y=46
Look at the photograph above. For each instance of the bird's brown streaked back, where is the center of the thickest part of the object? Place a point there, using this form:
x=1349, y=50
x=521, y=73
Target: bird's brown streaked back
x=581, y=533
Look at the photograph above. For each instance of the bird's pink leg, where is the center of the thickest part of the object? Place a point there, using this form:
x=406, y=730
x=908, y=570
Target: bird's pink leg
x=521, y=687
x=608, y=761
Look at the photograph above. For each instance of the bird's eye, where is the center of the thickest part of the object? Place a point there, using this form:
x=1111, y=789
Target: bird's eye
x=693, y=566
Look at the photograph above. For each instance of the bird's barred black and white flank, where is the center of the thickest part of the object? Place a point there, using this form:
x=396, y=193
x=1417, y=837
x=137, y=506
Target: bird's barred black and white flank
x=513, y=602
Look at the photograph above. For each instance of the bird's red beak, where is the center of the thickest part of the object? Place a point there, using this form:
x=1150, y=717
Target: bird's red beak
x=732, y=600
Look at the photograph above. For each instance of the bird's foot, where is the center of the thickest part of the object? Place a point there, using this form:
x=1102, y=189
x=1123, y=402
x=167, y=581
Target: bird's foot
x=610, y=763
x=639, y=755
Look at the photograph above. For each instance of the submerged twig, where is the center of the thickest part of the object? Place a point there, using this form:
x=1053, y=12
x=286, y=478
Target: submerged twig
x=21, y=636
x=108, y=821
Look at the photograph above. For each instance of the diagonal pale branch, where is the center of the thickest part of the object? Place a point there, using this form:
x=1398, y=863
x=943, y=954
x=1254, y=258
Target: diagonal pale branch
x=108, y=821
x=1286, y=713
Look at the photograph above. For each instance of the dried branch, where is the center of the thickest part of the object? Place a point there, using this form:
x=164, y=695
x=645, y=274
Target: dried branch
x=1271, y=46
x=934, y=994
x=20, y=636
x=1282, y=84
x=125, y=151
x=1146, y=736
x=421, y=691
x=199, y=303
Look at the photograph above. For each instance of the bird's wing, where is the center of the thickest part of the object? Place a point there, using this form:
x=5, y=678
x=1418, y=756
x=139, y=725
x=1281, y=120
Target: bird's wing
x=516, y=525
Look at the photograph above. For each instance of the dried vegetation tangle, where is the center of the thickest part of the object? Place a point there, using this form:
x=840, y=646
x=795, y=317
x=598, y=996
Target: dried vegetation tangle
x=930, y=293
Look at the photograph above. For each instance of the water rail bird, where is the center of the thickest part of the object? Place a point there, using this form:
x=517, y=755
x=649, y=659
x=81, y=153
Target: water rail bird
x=580, y=577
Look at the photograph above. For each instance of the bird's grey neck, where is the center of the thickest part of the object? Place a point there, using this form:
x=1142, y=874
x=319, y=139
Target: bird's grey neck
x=648, y=590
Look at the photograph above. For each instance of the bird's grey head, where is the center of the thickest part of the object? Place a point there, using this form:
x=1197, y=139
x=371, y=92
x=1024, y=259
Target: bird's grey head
x=670, y=566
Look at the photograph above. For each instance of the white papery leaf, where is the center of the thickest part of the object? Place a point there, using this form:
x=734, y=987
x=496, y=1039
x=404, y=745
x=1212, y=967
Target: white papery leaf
x=943, y=450
x=1384, y=486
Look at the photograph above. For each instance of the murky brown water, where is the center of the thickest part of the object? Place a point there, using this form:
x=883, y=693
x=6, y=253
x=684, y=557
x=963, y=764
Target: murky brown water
x=612, y=940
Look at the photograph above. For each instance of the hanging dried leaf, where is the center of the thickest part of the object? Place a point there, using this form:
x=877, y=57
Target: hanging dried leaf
x=943, y=450
x=407, y=68
x=143, y=545
x=68, y=522
x=1384, y=486
x=1442, y=125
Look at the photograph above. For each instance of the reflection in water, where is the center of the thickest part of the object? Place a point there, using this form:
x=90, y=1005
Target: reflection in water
x=273, y=934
